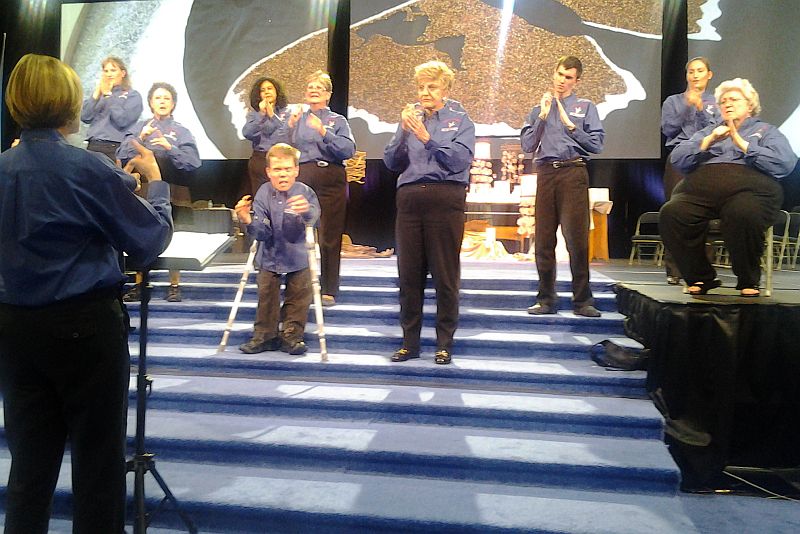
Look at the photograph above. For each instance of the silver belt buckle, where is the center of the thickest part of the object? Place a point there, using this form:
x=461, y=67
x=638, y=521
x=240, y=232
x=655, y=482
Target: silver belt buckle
x=557, y=164
x=322, y=164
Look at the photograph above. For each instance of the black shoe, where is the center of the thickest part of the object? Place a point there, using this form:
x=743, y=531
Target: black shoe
x=442, y=357
x=403, y=354
x=134, y=294
x=586, y=311
x=255, y=346
x=542, y=309
x=173, y=294
x=295, y=348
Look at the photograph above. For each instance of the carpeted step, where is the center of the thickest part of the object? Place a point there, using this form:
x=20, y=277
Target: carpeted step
x=508, y=299
x=393, y=403
x=574, y=377
x=236, y=499
x=387, y=314
x=412, y=450
x=386, y=339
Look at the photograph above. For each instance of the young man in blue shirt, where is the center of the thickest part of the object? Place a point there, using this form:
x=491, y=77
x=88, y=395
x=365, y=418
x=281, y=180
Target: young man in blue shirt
x=282, y=209
x=562, y=131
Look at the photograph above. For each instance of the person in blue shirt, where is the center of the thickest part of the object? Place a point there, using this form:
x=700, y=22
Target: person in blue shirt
x=175, y=149
x=268, y=112
x=281, y=211
x=562, y=132
x=112, y=108
x=432, y=150
x=66, y=216
x=324, y=140
x=733, y=172
x=681, y=116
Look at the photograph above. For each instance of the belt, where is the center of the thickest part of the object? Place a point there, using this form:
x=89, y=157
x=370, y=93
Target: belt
x=557, y=164
x=319, y=163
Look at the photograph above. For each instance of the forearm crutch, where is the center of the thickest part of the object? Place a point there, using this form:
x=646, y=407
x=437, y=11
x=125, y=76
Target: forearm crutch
x=238, y=300
x=313, y=266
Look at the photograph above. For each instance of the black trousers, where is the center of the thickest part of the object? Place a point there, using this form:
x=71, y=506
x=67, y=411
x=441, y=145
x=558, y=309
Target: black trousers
x=672, y=178
x=64, y=372
x=293, y=313
x=429, y=228
x=330, y=185
x=256, y=171
x=562, y=197
x=746, y=202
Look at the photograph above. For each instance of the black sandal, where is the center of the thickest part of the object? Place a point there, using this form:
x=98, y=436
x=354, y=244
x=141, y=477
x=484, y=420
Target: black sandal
x=701, y=288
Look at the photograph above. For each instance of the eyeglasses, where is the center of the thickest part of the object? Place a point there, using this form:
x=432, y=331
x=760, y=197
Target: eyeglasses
x=732, y=100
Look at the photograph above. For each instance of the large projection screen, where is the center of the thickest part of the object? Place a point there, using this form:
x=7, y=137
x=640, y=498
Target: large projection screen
x=503, y=53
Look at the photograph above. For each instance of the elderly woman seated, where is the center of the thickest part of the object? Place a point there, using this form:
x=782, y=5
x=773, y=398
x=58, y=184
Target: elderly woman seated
x=733, y=172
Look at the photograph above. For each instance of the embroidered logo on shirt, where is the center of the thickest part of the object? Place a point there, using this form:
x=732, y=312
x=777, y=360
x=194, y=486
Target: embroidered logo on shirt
x=578, y=112
x=710, y=109
x=757, y=133
x=452, y=126
x=172, y=135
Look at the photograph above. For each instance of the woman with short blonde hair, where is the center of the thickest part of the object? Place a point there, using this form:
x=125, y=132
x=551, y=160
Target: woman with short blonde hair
x=64, y=362
x=50, y=105
x=432, y=151
x=436, y=70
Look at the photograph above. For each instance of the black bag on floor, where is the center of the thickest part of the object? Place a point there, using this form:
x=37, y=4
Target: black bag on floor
x=618, y=358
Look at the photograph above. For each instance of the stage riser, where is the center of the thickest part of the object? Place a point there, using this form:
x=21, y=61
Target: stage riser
x=386, y=345
x=336, y=315
x=614, y=384
x=513, y=301
x=245, y=439
x=514, y=282
x=445, y=416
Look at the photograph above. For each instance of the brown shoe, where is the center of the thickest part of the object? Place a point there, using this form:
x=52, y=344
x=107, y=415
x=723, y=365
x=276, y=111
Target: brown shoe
x=403, y=354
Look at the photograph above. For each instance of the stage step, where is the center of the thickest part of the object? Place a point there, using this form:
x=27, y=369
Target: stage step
x=529, y=375
x=387, y=314
x=501, y=299
x=248, y=498
x=412, y=450
x=385, y=339
x=522, y=432
x=441, y=404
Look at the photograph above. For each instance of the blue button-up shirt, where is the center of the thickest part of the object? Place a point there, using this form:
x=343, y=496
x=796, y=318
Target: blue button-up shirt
x=550, y=140
x=183, y=154
x=680, y=120
x=261, y=129
x=447, y=155
x=282, y=235
x=335, y=146
x=768, y=150
x=110, y=117
x=65, y=214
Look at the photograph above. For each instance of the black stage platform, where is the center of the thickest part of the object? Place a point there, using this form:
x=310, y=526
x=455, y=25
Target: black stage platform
x=724, y=370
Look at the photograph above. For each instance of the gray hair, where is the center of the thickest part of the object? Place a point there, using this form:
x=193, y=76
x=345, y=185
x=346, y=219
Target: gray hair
x=743, y=86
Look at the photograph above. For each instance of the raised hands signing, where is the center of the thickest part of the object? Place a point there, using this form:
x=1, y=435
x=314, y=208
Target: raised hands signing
x=243, y=208
x=411, y=122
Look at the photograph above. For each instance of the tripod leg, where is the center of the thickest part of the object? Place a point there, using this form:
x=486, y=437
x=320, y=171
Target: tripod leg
x=168, y=496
